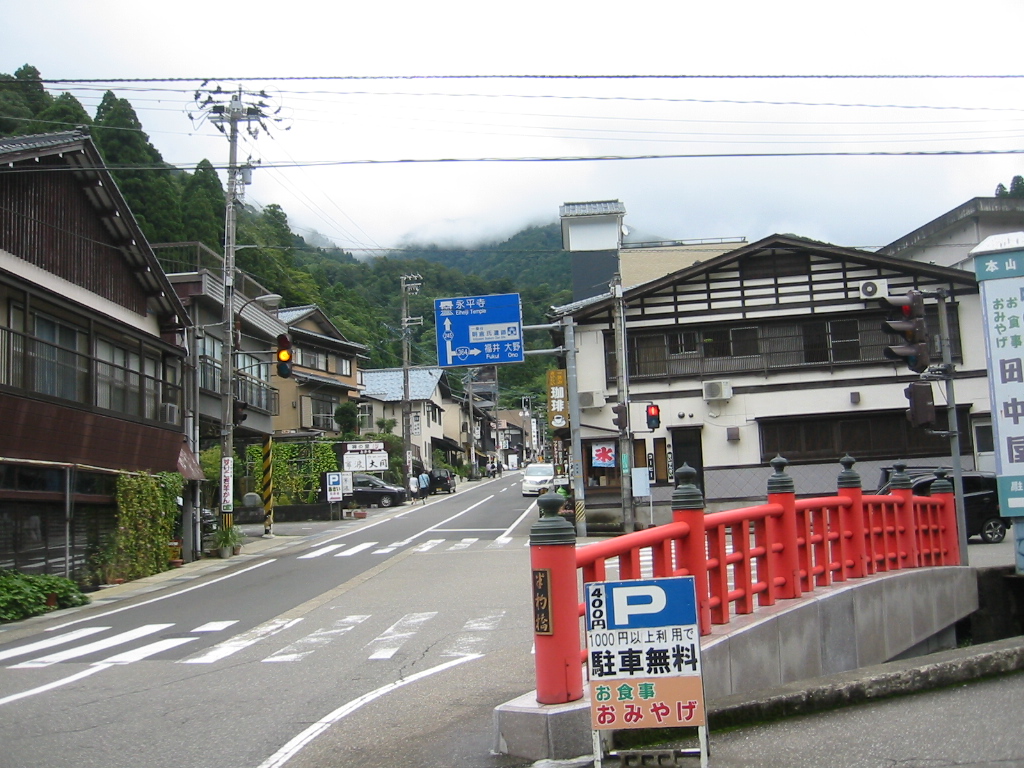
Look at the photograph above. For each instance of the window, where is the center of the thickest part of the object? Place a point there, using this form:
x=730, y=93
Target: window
x=774, y=264
x=323, y=413
x=730, y=342
x=831, y=341
x=826, y=437
x=60, y=367
x=345, y=366
x=683, y=343
x=366, y=417
x=312, y=358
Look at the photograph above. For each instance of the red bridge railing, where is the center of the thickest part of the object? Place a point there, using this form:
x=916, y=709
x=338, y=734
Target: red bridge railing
x=783, y=549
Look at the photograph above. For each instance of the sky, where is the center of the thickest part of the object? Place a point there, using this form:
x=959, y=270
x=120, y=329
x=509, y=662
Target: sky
x=362, y=85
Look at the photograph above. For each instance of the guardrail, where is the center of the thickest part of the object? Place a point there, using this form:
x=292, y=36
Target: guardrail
x=783, y=549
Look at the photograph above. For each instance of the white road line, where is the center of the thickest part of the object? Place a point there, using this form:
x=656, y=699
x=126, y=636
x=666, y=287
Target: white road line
x=428, y=545
x=323, y=636
x=498, y=543
x=163, y=597
x=148, y=650
x=244, y=640
x=99, y=645
x=215, y=626
x=357, y=548
x=55, y=684
x=292, y=748
x=464, y=544
x=321, y=551
x=394, y=637
x=42, y=645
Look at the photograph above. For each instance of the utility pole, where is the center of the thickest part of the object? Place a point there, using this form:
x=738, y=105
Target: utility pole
x=622, y=390
x=230, y=115
x=410, y=286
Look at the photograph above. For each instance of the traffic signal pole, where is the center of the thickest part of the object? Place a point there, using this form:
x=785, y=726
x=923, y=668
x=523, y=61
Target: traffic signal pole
x=954, y=428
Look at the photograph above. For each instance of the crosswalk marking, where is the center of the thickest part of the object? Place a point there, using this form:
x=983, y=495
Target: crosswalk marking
x=426, y=546
x=357, y=548
x=215, y=626
x=321, y=551
x=99, y=645
x=311, y=642
x=42, y=645
x=473, y=635
x=391, y=639
x=148, y=650
x=244, y=640
x=498, y=543
x=464, y=544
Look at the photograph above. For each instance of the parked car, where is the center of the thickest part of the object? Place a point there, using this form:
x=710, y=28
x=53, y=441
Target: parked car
x=372, y=490
x=538, y=478
x=981, y=502
x=442, y=480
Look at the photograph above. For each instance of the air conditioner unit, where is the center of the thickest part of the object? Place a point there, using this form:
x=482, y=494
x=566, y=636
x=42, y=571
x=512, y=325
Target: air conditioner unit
x=717, y=390
x=873, y=289
x=169, y=413
x=591, y=399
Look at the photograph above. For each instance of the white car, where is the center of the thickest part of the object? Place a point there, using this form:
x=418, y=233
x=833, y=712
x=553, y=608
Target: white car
x=538, y=478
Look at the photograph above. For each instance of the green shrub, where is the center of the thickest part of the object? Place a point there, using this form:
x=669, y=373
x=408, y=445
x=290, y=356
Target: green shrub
x=23, y=595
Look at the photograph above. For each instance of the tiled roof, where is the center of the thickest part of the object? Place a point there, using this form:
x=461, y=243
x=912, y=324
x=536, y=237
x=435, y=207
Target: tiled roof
x=598, y=208
x=388, y=384
x=291, y=315
x=38, y=141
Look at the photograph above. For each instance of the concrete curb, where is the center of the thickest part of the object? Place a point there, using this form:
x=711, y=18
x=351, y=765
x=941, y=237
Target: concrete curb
x=894, y=678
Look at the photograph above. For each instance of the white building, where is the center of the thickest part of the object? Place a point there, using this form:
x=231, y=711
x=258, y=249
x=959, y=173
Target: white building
x=775, y=347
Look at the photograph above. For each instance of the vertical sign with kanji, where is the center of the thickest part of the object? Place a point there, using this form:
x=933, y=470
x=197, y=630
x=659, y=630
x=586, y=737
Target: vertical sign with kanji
x=643, y=654
x=999, y=267
x=542, y=602
x=558, y=399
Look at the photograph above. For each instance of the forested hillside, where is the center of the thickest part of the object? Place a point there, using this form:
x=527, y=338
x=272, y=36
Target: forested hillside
x=361, y=297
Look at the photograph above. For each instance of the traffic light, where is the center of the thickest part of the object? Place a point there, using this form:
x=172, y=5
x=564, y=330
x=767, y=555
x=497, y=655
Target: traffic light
x=284, y=356
x=239, y=412
x=620, y=419
x=653, y=416
x=909, y=325
x=922, y=408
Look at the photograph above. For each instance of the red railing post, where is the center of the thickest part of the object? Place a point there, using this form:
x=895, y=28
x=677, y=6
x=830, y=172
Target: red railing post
x=782, y=491
x=852, y=546
x=949, y=537
x=903, y=543
x=556, y=618
x=691, y=552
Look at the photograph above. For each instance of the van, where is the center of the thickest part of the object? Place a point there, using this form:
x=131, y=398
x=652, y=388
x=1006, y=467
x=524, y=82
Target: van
x=538, y=479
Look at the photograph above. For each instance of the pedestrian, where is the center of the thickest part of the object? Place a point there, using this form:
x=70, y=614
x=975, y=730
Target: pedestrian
x=424, y=485
x=414, y=488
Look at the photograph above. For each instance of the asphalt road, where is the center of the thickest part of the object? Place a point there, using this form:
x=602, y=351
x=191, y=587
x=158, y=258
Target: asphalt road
x=332, y=649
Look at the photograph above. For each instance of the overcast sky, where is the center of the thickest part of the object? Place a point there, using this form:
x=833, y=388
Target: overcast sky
x=316, y=169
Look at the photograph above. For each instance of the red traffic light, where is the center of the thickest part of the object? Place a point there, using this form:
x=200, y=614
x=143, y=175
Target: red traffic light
x=653, y=416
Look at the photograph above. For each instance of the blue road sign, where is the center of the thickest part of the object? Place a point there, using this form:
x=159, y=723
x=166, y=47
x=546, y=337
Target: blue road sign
x=479, y=330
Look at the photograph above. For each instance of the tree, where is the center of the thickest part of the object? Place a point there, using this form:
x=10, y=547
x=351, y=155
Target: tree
x=347, y=417
x=142, y=176
x=202, y=207
x=1016, y=188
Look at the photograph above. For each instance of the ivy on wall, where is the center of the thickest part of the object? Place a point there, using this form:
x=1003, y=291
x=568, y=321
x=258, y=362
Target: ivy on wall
x=146, y=514
x=297, y=468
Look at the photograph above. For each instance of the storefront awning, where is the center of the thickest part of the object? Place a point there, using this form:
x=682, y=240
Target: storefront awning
x=188, y=464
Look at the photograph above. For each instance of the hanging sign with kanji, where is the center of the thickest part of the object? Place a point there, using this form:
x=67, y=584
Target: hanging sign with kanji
x=643, y=654
x=558, y=399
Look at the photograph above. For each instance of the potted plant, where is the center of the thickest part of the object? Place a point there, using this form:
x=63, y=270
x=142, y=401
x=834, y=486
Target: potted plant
x=226, y=539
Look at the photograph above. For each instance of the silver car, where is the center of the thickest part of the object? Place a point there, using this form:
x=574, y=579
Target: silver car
x=538, y=479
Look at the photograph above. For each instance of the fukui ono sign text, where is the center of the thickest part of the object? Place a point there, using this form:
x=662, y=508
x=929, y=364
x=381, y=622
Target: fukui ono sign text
x=479, y=330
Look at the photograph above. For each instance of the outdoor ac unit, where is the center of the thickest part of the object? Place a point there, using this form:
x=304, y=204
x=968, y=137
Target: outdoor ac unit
x=169, y=413
x=873, y=289
x=717, y=390
x=591, y=399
